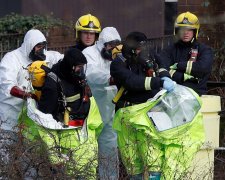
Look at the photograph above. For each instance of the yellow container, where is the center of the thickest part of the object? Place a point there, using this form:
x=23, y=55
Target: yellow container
x=203, y=163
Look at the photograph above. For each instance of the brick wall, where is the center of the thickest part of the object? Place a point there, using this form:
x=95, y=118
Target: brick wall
x=211, y=14
x=60, y=38
x=194, y=6
x=59, y=35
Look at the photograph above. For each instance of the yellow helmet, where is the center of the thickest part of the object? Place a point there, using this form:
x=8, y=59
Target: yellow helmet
x=88, y=23
x=117, y=50
x=187, y=20
x=37, y=73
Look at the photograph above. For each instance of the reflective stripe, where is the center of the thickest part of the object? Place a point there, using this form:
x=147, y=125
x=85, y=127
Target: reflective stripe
x=53, y=76
x=73, y=98
x=118, y=95
x=189, y=67
x=162, y=69
x=148, y=83
x=172, y=71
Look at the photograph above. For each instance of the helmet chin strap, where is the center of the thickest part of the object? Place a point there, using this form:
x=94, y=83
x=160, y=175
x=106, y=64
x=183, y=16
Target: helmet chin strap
x=193, y=39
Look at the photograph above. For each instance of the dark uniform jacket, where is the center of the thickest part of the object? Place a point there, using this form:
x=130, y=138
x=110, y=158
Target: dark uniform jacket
x=180, y=53
x=79, y=46
x=138, y=87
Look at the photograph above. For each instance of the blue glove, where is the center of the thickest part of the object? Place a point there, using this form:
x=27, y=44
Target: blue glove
x=168, y=84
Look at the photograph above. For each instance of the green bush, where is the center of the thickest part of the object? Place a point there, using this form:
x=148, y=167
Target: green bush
x=15, y=23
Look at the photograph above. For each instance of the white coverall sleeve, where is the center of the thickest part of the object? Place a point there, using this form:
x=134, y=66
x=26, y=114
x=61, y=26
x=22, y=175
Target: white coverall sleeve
x=52, y=57
x=9, y=69
x=95, y=73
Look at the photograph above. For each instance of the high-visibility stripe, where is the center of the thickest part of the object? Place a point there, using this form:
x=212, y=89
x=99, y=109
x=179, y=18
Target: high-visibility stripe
x=73, y=98
x=172, y=71
x=148, y=83
x=189, y=67
x=118, y=95
x=191, y=63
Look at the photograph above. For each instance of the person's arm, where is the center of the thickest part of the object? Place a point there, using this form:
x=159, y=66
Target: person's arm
x=9, y=74
x=201, y=67
x=162, y=68
x=165, y=60
x=49, y=96
x=20, y=93
x=132, y=81
x=96, y=74
x=52, y=57
x=179, y=73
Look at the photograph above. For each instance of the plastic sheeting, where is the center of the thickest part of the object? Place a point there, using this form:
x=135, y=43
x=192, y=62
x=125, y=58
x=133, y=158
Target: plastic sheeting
x=77, y=147
x=167, y=146
x=175, y=109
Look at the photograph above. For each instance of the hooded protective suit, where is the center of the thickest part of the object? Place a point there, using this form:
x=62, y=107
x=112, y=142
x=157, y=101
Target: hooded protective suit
x=13, y=73
x=98, y=74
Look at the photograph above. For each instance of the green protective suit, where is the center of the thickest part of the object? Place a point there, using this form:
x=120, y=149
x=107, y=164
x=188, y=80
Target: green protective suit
x=77, y=147
x=163, y=134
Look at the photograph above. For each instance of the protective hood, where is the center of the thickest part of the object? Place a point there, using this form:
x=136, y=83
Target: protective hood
x=31, y=39
x=73, y=57
x=108, y=34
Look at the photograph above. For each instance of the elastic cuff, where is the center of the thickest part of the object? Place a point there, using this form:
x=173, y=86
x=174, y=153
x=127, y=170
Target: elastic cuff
x=164, y=74
x=156, y=83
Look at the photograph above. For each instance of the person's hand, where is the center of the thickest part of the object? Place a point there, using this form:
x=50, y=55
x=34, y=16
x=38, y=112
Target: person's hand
x=168, y=84
x=31, y=95
x=20, y=93
x=174, y=66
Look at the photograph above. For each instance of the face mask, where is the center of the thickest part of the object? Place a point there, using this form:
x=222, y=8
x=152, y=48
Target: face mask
x=78, y=75
x=107, y=54
x=38, y=55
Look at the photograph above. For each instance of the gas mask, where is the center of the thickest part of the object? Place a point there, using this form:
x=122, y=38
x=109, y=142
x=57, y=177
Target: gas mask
x=78, y=75
x=143, y=55
x=130, y=51
x=38, y=54
x=106, y=51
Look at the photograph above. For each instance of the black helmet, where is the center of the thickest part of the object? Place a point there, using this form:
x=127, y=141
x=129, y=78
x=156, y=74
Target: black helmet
x=133, y=41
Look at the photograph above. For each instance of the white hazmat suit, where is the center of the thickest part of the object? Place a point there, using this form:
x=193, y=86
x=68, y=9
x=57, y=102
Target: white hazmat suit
x=98, y=74
x=13, y=73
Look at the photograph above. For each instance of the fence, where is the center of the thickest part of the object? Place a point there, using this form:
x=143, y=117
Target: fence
x=10, y=42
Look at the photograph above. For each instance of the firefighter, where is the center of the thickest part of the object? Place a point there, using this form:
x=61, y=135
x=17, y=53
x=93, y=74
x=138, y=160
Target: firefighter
x=134, y=72
x=87, y=30
x=67, y=77
x=188, y=61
